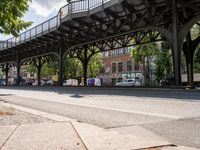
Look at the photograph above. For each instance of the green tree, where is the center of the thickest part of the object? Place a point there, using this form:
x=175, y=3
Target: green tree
x=197, y=60
x=163, y=62
x=145, y=54
x=1, y=72
x=11, y=12
x=73, y=68
x=31, y=69
x=50, y=68
x=195, y=32
x=95, y=65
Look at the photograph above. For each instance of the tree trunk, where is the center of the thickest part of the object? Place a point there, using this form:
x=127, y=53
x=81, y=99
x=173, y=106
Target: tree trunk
x=147, y=72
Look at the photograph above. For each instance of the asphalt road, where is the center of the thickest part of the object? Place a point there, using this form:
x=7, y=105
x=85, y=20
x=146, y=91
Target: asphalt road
x=174, y=114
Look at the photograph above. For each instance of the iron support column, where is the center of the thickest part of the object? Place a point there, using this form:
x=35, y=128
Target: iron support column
x=60, y=59
x=85, y=65
x=176, y=45
x=18, y=69
x=6, y=72
x=39, y=68
x=189, y=60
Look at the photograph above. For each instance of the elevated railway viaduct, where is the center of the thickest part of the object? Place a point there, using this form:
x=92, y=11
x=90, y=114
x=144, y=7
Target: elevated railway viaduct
x=83, y=28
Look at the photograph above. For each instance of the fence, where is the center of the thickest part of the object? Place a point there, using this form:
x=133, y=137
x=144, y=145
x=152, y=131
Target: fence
x=72, y=7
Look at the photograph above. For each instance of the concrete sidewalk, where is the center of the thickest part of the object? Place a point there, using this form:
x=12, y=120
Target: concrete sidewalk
x=69, y=134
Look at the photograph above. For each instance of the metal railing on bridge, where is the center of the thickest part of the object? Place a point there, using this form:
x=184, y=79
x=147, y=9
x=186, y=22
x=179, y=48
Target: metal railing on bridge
x=47, y=26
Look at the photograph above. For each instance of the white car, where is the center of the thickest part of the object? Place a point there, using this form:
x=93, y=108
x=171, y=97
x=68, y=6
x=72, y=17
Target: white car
x=129, y=82
x=42, y=82
x=50, y=82
x=70, y=82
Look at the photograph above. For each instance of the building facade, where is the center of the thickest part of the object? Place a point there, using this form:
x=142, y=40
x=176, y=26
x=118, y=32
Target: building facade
x=118, y=65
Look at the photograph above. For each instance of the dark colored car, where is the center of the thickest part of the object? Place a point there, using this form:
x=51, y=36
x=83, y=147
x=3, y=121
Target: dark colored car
x=2, y=82
x=30, y=81
x=168, y=80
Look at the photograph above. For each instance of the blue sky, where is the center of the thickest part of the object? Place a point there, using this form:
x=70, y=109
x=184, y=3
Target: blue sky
x=40, y=11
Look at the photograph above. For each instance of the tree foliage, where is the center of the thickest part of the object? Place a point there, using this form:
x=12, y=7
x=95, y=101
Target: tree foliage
x=195, y=33
x=163, y=62
x=31, y=68
x=155, y=59
x=95, y=65
x=145, y=54
x=197, y=60
x=49, y=69
x=11, y=12
x=73, y=68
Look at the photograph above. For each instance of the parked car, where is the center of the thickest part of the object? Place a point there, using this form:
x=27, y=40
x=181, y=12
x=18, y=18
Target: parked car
x=168, y=80
x=93, y=82
x=2, y=82
x=70, y=82
x=22, y=81
x=30, y=81
x=50, y=82
x=129, y=82
x=42, y=82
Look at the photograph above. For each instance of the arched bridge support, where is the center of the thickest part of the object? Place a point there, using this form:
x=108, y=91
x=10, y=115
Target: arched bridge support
x=38, y=63
x=18, y=65
x=176, y=36
x=39, y=60
x=189, y=48
x=6, y=72
x=84, y=54
x=85, y=65
x=61, y=62
x=39, y=69
x=5, y=68
x=176, y=45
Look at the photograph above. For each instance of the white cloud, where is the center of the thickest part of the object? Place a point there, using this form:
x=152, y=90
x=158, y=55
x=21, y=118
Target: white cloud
x=45, y=7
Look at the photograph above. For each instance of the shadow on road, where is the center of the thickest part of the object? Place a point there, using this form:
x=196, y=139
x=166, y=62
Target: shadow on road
x=77, y=96
x=6, y=94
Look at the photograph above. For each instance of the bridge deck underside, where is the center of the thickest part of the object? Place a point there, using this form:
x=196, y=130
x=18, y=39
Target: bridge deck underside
x=113, y=19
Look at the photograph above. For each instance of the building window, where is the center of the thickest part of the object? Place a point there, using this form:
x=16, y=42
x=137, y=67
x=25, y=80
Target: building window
x=113, y=53
x=109, y=53
x=120, y=67
x=106, y=54
x=136, y=67
x=124, y=51
x=129, y=66
x=113, y=67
